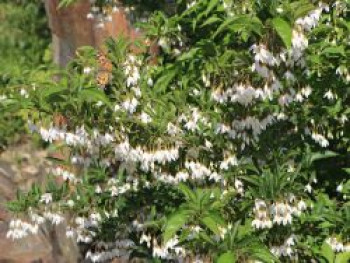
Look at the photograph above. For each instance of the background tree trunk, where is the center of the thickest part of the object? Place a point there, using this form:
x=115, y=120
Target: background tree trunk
x=71, y=29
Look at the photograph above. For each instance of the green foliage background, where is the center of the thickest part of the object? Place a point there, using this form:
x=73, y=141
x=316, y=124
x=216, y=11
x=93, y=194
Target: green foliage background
x=24, y=54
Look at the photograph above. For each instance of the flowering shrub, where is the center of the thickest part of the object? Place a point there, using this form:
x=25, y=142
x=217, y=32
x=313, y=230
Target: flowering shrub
x=230, y=145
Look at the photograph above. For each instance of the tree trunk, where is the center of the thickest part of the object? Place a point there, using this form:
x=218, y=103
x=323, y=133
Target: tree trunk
x=71, y=28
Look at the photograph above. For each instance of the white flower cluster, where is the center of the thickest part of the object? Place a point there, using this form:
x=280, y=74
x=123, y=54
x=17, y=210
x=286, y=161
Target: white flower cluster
x=320, y=139
x=223, y=231
x=82, y=230
x=229, y=161
x=102, y=14
x=3, y=97
x=46, y=198
x=132, y=72
x=173, y=130
x=262, y=215
x=200, y=171
x=169, y=251
x=108, y=251
x=299, y=39
x=116, y=190
x=330, y=95
x=195, y=171
x=181, y=176
x=126, y=153
x=193, y=120
x=19, y=229
x=54, y=218
x=341, y=71
x=24, y=93
x=36, y=218
x=78, y=138
x=191, y=4
x=240, y=93
x=279, y=212
x=80, y=160
x=337, y=245
x=246, y=94
x=311, y=20
x=145, y=118
x=282, y=213
x=286, y=249
x=146, y=239
x=65, y=174
x=239, y=186
x=251, y=123
x=239, y=129
x=262, y=57
x=92, y=143
x=265, y=62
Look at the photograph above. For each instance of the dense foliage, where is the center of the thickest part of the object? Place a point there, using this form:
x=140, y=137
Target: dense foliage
x=231, y=144
x=24, y=35
x=24, y=53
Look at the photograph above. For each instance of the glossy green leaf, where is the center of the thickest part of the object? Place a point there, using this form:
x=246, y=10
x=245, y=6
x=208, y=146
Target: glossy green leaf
x=188, y=193
x=94, y=95
x=324, y=155
x=342, y=257
x=333, y=51
x=211, y=224
x=163, y=82
x=227, y=257
x=327, y=252
x=211, y=5
x=284, y=30
x=174, y=223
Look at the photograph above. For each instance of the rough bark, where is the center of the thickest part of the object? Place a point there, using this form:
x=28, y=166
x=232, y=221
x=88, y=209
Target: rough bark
x=71, y=29
x=20, y=167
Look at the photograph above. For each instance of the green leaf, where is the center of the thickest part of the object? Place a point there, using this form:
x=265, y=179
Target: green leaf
x=65, y=3
x=347, y=170
x=174, y=223
x=284, y=30
x=333, y=51
x=216, y=216
x=319, y=156
x=263, y=254
x=211, y=20
x=188, y=55
x=209, y=222
x=44, y=93
x=211, y=6
x=326, y=225
x=343, y=257
x=94, y=95
x=164, y=81
x=206, y=238
x=240, y=23
x=327, y=252
x=227, y=257
x=301, y=8
x=187, y=192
